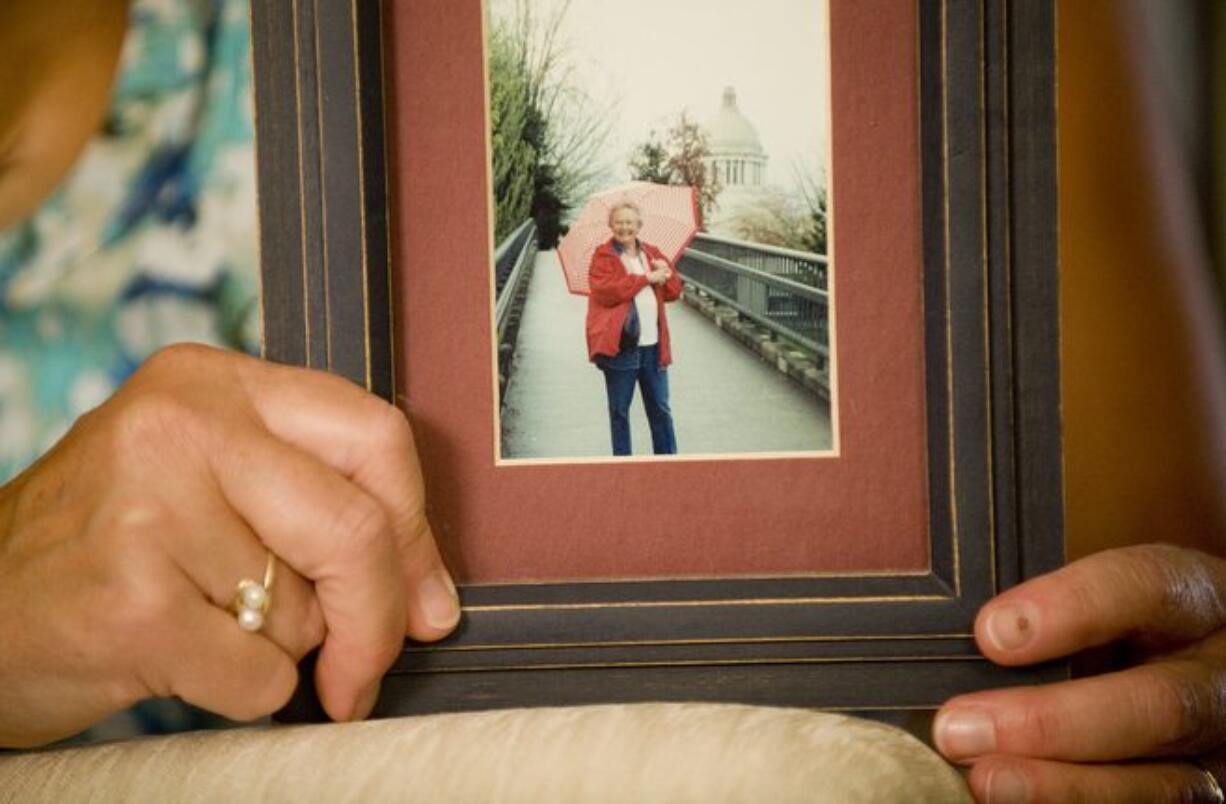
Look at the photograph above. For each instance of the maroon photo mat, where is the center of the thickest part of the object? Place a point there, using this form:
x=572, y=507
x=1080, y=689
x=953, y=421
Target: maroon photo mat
x=862, y=511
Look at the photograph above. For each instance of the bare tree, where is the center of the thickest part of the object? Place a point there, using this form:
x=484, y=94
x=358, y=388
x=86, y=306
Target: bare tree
x=790, y=220
x=816, y=200
x=689, y=149
x=547, y=134
x=678, y=159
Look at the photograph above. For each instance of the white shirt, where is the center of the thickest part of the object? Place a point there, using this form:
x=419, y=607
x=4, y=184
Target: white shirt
x=649, y=308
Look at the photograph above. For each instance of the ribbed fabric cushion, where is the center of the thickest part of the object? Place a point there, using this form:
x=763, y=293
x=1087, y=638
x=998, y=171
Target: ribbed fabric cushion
x=635, y=753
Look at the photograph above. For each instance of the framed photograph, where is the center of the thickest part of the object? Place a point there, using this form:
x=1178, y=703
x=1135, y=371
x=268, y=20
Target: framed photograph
x=728, y=333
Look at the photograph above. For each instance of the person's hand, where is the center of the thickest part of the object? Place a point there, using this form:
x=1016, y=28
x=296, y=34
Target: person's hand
x=658, y=275
x=121, y=549
x=1146, y=733
x=662, y=265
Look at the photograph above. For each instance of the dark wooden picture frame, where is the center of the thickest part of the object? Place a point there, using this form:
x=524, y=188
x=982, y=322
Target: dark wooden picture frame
x=871, y=641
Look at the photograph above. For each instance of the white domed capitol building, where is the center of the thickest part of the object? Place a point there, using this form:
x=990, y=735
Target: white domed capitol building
x=737, y=160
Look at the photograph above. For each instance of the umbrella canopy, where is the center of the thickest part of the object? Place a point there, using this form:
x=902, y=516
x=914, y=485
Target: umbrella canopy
x=670, y=221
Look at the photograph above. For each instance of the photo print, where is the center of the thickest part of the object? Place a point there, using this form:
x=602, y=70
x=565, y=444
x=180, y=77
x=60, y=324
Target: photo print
x=661, y=206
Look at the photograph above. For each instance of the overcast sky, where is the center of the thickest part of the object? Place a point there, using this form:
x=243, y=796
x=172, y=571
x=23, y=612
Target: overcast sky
x=648, y=59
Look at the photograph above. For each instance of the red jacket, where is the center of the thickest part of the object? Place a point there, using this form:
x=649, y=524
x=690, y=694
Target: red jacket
x=613, y=288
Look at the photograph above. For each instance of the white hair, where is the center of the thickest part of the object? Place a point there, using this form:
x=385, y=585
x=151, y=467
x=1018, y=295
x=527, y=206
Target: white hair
x=620, y=205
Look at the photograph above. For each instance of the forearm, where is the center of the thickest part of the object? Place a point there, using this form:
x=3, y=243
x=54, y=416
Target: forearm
x=673, y=287
x=612, y=292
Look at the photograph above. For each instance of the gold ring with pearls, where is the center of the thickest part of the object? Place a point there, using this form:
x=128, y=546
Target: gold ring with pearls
x=251, y=598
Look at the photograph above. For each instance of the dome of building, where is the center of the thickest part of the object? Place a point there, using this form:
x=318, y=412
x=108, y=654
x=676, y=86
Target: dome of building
x=730, y=132
x=735, y=156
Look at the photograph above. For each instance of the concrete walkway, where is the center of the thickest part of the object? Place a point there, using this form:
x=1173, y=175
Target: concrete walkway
x=725, y=399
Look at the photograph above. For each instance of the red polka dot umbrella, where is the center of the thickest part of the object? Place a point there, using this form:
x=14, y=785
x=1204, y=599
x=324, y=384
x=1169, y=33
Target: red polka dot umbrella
x=670, y=221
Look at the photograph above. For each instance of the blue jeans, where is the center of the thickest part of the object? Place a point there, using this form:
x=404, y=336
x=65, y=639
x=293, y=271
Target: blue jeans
x=639, y=365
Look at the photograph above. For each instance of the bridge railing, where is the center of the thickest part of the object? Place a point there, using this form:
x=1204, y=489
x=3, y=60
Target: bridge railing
x=513, y=259
x=796, y=310
x=800, y=266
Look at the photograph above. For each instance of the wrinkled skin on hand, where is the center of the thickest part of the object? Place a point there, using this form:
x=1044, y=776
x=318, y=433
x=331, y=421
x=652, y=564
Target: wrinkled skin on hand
x=121, y=549
x=1129, y=735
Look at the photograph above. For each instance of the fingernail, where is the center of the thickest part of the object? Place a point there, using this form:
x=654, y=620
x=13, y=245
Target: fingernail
x=366, y=702
x=439, y=602
x=1011, y=627
x=962, y=733
x=1007, y=786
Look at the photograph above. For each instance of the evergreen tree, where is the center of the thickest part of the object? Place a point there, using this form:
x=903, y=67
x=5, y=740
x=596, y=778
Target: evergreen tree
x=649, y=162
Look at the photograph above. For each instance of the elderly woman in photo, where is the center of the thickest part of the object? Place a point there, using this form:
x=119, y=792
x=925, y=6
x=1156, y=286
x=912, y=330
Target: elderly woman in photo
x=627, y=328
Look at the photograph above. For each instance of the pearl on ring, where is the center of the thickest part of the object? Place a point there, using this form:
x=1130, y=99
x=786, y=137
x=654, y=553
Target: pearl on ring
x=250, y=619
x=254, y=595
x=252, y=599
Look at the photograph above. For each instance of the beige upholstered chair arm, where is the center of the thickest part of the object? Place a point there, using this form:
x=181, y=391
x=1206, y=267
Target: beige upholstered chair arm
x=636, y=753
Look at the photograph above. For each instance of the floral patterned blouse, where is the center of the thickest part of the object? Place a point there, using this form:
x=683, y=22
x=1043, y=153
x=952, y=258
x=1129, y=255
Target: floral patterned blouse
x=151, y=239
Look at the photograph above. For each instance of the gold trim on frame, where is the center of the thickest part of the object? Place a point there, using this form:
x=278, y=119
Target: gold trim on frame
x=691, y=663
x=669, y=643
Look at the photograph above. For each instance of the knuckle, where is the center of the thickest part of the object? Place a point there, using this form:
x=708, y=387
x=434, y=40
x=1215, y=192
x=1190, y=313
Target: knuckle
x=177, y=358
x=135, y=600
x=389, y=442
x=133, y=519
x=1042, y=725
x=1186, y=707
x=1193, y=792
x=278, y=686
x=1187, y=599
x=142, y=608
x=391, y=427
x=360, y=525
x=267, y=692
x=1178, y=786
x=1144, y=567
x=121, y=692
x=145, y=422
x=176, y=398
x=417, y=534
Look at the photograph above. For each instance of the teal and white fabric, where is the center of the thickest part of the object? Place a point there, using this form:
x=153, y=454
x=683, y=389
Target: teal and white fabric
x=150, y=240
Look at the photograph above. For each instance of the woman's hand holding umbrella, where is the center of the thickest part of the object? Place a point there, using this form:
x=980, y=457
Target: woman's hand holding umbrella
x=659, y=273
